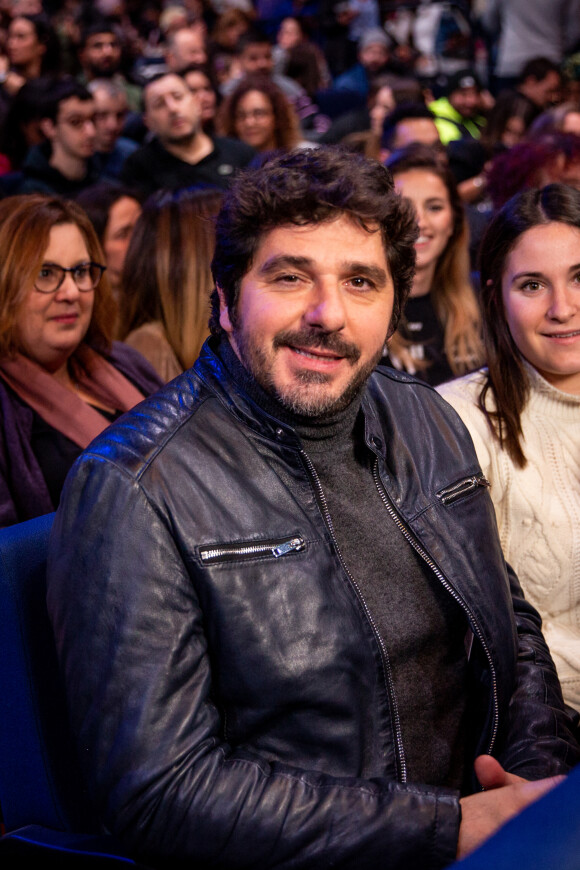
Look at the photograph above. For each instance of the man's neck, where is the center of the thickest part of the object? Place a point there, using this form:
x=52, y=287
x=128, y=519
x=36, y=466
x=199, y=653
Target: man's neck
x=330, y=426
x=193, y=150
x=72, y=168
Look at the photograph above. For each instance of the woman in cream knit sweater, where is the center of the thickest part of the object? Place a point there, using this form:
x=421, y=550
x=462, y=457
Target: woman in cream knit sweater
x=523, y=411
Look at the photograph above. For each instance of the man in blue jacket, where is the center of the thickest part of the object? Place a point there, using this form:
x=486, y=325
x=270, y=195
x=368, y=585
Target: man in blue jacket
x=288, y=635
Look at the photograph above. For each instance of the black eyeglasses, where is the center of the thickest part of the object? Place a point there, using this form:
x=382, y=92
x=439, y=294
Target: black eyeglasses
x=86, y=276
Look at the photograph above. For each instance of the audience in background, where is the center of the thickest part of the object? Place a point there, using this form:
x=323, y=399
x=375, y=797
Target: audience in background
x=113, y=210
x=167, y=279
x=180, y=154
x=439, y=336
x=258, y=113
x=111, y=111
x=64, y=163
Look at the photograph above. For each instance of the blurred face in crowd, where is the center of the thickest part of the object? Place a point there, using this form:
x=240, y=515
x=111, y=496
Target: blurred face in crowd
x=466, y=101
x=383, y=104
x=571, y=123
x=101, y=55
x=73, y=135
x=257, y=58
x=50, y=326
x=122, y=219
x=187, y=47
x=513, y=131
x=543, y=92
x=289, y=34
x=430, y=199
x=200, y=85
x=255, y=122
x=23, y=46
x=541, y=297
x=110, y=115
x=415, y=130
x=374, y=56
x=172, y=112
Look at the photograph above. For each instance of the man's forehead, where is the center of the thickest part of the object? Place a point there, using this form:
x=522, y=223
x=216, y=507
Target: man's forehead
x=164, y=85
x=97, y=40
x=74, y=105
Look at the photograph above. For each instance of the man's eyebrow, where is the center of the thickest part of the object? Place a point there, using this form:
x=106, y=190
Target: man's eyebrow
x=288, y=261
x=284, y=261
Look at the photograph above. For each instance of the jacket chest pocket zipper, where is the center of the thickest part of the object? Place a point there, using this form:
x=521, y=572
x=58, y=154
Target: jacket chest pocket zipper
x=251, y=550
x=462, y=488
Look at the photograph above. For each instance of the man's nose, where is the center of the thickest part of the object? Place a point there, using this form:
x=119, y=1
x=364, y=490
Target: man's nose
x=326, y=308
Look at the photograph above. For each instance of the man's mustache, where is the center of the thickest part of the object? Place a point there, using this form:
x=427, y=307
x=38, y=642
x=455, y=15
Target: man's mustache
x=314, y=339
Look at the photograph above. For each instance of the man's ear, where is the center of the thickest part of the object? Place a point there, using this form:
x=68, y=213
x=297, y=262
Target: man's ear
x=225, y=321
x=47, y=127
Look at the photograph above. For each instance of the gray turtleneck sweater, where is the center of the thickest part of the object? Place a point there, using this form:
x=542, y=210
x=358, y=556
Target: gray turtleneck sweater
x=421, y=627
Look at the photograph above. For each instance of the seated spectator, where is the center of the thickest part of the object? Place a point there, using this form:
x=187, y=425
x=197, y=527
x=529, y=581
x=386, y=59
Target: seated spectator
x=21, y=129
x=32, y=47
x=459, y=112
x=440, y=333
x=185, y=46
x=258, y=113
x=113, y=210
x=65, y=163
x=61, y=380
x=299, y=57
x=180, y=154
x=523, y=410
x=385, y=92
x=534, y=163
x=199, y=82
x=167, y=279
x=373, y=59
x=540, y=81
x=111, y=111
x=100, y=55
x=564, y=118
x=253, y=55
x=408, y=122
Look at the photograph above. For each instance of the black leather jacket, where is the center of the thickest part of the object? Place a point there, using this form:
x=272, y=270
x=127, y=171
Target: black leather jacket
x=228, y=690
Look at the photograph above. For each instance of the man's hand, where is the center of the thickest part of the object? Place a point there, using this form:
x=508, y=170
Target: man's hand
x=505, y=796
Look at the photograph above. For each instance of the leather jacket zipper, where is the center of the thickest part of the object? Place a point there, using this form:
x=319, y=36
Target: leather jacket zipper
x=399, y=748
x=463, y=487
x=449, y=588
x=235, y=552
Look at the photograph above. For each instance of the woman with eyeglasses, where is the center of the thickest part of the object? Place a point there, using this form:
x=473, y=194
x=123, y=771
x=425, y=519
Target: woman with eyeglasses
x=62, y=380
x=258, y=113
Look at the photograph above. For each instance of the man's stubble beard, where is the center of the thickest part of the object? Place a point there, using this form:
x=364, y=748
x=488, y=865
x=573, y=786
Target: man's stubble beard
x=295, y=398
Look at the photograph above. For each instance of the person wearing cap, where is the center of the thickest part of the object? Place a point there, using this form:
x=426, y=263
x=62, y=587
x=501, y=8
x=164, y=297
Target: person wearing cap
x=373, y=58
x=458, y=114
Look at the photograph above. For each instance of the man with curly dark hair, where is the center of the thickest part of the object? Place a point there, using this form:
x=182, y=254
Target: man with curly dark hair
x=288, y=635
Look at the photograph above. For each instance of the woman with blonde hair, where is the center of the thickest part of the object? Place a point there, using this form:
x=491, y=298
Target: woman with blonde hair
x=440, y=333
x=167, y=282
x=62, y=379
x=258, y=113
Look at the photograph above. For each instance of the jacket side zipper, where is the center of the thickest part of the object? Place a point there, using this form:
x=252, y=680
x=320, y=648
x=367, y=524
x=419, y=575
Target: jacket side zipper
x=399, y=748
x=449, y=588
x=226, y=552
x=463, y=487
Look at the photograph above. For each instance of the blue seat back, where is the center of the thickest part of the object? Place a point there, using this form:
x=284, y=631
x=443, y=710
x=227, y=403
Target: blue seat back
x=40, y=782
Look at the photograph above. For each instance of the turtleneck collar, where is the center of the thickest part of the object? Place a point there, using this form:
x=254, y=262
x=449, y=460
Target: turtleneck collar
x=333, y=427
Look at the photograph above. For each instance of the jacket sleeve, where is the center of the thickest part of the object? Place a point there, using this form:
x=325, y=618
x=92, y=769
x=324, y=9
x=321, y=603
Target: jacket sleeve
x=542, y=736
x=131, y=643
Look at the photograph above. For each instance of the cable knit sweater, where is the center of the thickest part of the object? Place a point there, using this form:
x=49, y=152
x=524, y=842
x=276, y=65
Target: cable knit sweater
x=537, y=508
